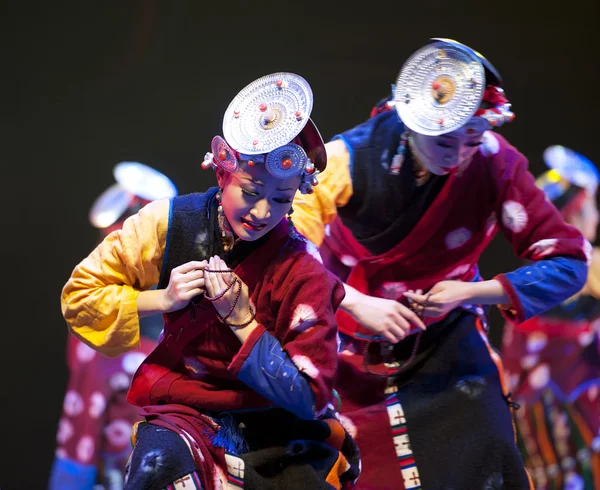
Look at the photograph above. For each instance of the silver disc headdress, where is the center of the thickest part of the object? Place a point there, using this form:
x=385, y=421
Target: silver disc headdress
x=567, y=169
x=135, y=182
x=268, y=122
x=443, y=85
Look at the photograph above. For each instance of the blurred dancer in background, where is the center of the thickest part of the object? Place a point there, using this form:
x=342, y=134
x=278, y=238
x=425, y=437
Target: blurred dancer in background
x=93, y=440
x=553, y=360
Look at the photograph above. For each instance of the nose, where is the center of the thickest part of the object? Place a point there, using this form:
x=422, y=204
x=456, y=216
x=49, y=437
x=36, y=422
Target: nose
x=451, y=156
x=261, y=210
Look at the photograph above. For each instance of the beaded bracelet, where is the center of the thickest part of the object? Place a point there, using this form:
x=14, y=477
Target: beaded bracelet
x=223, y=319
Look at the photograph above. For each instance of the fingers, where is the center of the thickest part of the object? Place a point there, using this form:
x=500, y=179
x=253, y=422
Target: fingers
x=412, y=317
x=417, y=298
x=211, y=282
x=190, y=266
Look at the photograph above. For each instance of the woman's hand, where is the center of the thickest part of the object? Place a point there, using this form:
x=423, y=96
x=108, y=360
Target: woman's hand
x=228, y=293
x=441, y=298
x=388, y=318
x=186, y=281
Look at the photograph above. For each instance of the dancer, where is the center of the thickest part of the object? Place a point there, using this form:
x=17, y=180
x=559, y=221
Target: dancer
x=239, y=389
x=410, y=200
x=552, y=361
x=96, y=420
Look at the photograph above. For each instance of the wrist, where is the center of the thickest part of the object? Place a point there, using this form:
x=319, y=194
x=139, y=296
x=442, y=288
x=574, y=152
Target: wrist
x=351, y=300
x=165, y=304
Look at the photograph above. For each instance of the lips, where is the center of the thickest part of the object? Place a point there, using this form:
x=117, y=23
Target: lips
x=252, y=225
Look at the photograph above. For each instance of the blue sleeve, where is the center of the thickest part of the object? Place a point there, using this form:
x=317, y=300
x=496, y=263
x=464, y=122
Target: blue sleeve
x=71, y=475
x=268, y=370
x=544, y=284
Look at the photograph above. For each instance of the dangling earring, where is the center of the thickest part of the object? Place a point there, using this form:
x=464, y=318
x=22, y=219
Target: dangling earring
x=226, y=231
x=400, y=155
x=292, y=229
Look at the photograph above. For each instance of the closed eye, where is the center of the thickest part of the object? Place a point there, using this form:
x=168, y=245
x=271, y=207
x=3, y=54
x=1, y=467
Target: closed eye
x=249, y=192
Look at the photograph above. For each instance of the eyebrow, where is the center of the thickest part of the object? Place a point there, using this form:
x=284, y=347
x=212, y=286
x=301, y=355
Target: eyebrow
x=258, y=182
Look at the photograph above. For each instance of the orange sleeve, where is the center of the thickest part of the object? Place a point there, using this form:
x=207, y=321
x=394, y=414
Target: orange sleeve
x=312, y=212
x=99, y=299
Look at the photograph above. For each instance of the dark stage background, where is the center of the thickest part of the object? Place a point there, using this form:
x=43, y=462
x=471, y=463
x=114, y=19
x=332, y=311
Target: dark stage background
x=89, y=84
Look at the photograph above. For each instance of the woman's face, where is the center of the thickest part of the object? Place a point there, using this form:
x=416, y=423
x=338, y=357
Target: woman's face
x=254, y=201
x=445, y=153
x=585, y=219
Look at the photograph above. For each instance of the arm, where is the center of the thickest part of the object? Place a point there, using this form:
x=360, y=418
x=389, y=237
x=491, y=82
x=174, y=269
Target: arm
x=294, y=363
x=101, y=299
x=537, y=234
x=312, y=212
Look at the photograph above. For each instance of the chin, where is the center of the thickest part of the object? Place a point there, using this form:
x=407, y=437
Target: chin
x=249, y=235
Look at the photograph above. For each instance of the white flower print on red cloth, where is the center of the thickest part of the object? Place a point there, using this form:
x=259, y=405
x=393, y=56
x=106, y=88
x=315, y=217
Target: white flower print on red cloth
x=514, y=216
x=457, y=238
x=85, y=449
x=304, y=318
x=97, y=404
x=348, y=260
x=536, y=341
x=305, y=365
x=119, y=381
x=73, y=404
x=65, y=431
x=118, y=432
x=84, y=353
x=544, y=247
x=132, y=361
x=539, y=377
x=392, y=290
x=458, y=272
x=489, y=144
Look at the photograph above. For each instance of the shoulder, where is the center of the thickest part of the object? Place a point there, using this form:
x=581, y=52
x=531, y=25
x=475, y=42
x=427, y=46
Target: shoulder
x=366, y=133
x=300, y=260
x=192, y=201
x=501, y=158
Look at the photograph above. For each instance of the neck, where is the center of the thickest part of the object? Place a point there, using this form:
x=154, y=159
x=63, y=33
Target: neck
x=420, y=171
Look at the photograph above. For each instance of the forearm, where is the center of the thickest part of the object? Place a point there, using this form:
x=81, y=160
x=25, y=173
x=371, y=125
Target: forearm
x=244, y=332
x=351, y=299
x=151, y=302
x=487, y=293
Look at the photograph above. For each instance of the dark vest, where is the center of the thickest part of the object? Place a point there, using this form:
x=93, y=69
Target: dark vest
x=383, y=208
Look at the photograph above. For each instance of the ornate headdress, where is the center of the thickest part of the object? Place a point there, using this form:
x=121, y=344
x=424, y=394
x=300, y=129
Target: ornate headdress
x=443, y=85
x=137, y=184
x=570, y=175
x=268, y=123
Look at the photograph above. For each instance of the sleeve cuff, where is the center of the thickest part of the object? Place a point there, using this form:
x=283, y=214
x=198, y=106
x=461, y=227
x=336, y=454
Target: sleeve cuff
x=516, y=313
x=239, y=359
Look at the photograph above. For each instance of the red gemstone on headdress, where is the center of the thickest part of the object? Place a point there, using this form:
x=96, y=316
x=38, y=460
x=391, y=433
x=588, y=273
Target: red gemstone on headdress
x=315, y=182
x=236, y=112
x=223, y=155
x=310, y=170
x=255, y=142
x=279, y=83
x=251, y=163
x=471, y=131
x=435, y=85
x=441, y=122
x=297, y=114
x=287, y=163
x=262, y=107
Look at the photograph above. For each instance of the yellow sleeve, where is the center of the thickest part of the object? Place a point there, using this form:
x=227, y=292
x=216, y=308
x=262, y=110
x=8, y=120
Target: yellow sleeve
x=592, y=285
x=313, y=211
x=99, y=299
